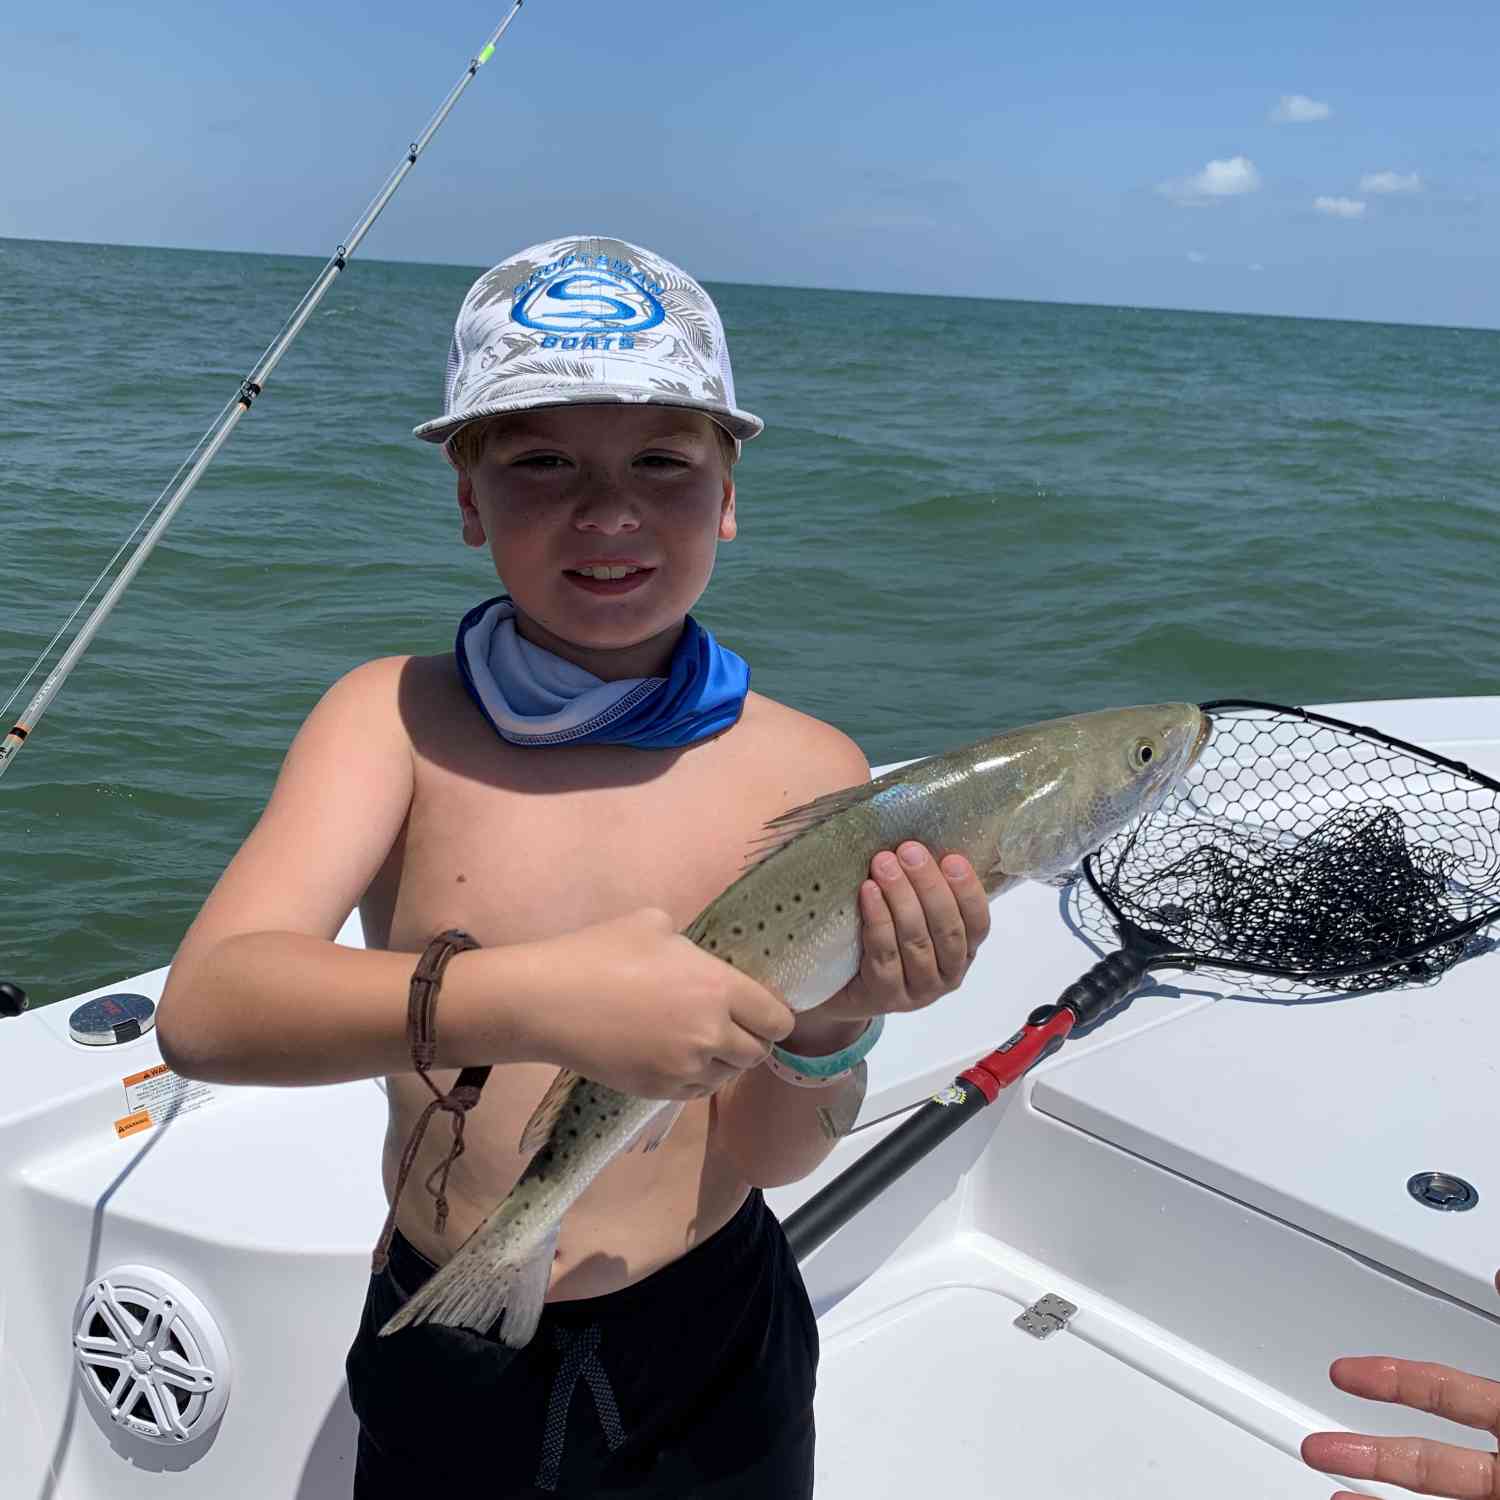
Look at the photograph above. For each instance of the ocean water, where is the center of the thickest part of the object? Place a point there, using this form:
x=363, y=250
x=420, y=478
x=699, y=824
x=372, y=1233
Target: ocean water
x=963, y=515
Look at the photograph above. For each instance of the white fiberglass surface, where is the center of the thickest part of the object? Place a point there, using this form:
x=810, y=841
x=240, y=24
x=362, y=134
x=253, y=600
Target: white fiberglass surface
x=942, y=1390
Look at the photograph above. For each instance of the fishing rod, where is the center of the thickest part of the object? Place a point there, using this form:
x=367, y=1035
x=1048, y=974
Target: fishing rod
x=191, y=470
x=12, y=998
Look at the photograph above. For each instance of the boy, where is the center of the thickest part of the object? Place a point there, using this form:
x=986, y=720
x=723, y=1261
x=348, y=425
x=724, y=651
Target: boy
x=587, y=750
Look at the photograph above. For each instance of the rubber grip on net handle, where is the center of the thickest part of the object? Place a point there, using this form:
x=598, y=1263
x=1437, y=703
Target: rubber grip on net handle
x=1083, y=1003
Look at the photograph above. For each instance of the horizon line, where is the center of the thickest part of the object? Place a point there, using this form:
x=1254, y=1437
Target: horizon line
x=781, y=286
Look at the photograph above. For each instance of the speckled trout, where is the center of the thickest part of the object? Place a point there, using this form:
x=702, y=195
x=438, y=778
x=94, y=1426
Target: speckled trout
x=1027, y=804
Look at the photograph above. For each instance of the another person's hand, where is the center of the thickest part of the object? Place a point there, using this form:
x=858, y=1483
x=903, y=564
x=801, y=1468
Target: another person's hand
x=1422, y=1465
x=922, y=923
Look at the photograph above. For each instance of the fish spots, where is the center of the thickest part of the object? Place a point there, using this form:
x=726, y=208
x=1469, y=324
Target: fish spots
x=817, y=887
x=713, y=943
x=779, y=907
x=736, y=931
x=797, y=896
x=760, y=926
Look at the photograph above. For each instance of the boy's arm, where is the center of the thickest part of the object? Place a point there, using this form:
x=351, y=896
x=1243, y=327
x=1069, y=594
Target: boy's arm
x=921, y=924
x=259, y=992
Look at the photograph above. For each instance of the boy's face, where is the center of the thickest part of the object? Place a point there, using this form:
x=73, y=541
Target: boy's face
x=565, y=489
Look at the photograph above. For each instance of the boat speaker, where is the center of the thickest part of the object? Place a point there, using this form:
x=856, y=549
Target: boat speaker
x=150, y=1356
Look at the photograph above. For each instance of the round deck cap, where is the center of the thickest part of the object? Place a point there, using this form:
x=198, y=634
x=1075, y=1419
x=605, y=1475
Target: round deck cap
x=107, y=1020
x=1442, y=1190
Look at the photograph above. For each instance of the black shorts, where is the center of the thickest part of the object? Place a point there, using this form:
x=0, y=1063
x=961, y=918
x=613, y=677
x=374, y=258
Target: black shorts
x=694, y=1382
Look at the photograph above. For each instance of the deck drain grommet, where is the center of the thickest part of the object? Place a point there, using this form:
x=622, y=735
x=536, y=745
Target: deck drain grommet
x=150, y=1356
x=1442, y=1190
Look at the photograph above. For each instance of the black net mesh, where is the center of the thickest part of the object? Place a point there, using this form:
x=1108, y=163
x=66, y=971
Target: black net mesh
x=1311, y=850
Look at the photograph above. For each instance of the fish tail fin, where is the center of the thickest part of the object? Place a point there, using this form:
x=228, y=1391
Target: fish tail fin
x=493, y=1272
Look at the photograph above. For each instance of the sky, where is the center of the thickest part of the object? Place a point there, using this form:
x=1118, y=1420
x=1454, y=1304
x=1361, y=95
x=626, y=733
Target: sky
x=1328, y=159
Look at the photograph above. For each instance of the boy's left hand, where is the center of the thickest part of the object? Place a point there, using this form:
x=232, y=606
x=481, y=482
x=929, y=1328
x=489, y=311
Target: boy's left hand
x=923, y=922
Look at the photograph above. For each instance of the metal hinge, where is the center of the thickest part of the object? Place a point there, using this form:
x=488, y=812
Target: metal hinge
x=1046, y=1316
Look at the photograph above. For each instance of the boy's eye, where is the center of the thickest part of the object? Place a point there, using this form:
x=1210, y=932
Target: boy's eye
x=664, y=460
x=539, y=461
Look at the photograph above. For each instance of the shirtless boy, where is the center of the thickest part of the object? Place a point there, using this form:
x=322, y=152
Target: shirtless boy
x=572, y=822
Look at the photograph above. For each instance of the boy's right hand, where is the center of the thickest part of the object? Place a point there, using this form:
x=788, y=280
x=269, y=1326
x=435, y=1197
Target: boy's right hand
x=659, y=1017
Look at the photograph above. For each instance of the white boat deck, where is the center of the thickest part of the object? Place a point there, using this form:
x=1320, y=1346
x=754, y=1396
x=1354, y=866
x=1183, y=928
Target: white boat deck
x=1219, y=1185
x=927, y=1380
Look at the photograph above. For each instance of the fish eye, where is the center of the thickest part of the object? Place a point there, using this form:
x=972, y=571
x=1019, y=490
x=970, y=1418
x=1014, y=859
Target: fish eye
x=1142, y=754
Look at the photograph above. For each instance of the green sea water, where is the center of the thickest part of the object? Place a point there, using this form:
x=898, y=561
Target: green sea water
x=963, y=515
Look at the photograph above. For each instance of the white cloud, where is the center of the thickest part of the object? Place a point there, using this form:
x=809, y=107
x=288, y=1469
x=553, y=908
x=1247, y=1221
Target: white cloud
x=1257, y=267
x=1298, y=109
x=1390, y=182
x=1340, y=208
x=1219, y=179
x=1197, y=257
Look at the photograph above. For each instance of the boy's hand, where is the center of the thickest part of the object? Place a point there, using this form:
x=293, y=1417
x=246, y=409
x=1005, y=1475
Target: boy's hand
x=664, y=1019
x=923, y=922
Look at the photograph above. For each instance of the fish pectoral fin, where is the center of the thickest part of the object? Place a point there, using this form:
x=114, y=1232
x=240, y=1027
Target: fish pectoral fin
x=654, y=1131
x=996, y=879
x=544, y=1117
x=837, y=1119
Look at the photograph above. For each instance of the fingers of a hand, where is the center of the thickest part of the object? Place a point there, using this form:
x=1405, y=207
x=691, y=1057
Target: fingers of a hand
x=1440, y=1389
x=760, y=1016
x=943, y=917
x=919, y=960
x=711, y=1080
x=880, y=962
x=973, y=904
x=1416, y=1464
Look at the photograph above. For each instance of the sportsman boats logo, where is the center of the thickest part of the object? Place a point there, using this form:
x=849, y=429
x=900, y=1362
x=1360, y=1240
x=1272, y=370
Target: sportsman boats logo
x=588, y=302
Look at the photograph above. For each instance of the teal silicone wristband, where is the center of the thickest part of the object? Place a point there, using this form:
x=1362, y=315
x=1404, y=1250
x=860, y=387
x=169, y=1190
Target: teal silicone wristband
x=836, y=1062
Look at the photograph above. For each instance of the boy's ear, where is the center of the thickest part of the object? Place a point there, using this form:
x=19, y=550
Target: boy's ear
x=728, y=526
x=471, y=524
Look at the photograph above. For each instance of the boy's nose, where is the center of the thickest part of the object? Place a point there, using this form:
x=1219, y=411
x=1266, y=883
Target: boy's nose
x=604, y=508
x=610, y=519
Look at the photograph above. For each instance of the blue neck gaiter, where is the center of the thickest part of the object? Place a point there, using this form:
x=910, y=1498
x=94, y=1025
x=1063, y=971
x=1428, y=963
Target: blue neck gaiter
x=532, y=697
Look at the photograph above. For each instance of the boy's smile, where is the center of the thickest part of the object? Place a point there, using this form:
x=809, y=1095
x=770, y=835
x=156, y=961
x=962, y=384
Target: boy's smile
x=604, y=522
x=609, y=576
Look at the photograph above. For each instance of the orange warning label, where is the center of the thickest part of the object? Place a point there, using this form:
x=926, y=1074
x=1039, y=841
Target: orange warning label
x=129, y=1124
x=158, y=1071
x=158, y=1093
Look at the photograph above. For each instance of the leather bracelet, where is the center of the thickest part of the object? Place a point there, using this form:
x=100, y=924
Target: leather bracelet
x=819, y=1072
x=421, y=1032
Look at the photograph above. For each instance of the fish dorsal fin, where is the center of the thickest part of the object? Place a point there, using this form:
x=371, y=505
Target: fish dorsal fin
x=544, y=1117
x=796, y=821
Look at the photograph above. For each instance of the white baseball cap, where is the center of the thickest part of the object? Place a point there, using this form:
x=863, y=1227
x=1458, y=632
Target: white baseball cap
x=586, y=320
